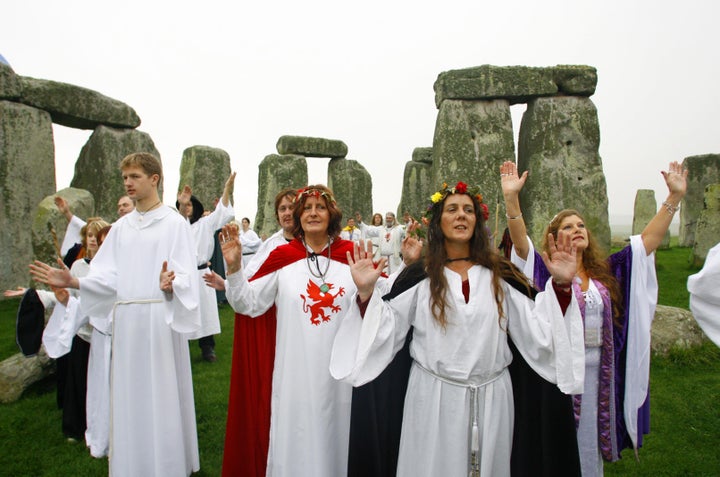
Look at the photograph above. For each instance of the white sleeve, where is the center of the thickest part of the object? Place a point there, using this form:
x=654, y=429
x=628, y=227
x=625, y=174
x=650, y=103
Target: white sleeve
x=251, y=299
x=704, y=288
x=72, y=234
x=553, y=344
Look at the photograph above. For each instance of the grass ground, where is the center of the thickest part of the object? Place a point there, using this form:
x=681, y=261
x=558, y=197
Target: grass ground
x=685, y=393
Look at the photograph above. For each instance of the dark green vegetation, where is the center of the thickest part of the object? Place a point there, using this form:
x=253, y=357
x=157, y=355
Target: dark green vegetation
x=685, y=394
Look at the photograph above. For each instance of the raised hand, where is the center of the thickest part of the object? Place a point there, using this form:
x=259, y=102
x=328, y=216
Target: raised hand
x=364, y=272
x=166, y=278
x=562, y=260
x=184, y=195
x=411, y=246
x=676, y=179
x=214, y=281
x=55, y=277
x=19, y=291
x=511, y=182
x=231, y=247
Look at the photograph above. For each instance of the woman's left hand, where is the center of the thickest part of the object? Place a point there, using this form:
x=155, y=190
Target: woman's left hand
x=676, y=179
x=364, y=271
x=562, y=260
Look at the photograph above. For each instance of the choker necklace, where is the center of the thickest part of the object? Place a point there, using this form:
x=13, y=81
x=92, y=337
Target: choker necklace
x=142, y=214
x=467, y=259
x=312, y=257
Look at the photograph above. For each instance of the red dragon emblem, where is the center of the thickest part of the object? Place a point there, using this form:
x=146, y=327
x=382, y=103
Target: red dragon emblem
x=323, y=299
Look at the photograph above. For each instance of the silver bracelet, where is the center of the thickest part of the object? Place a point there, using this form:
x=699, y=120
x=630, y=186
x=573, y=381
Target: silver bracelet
x=515, y=217
x=671, y=209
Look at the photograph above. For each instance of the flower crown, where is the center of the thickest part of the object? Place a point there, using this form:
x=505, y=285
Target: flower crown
x=459, y=188
x=313, y=192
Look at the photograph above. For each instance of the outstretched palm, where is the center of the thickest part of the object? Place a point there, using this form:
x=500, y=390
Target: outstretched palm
x=562, y=260
x=364, y=272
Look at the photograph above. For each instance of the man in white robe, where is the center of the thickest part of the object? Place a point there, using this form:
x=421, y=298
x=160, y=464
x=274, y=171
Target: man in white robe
x=153, y=430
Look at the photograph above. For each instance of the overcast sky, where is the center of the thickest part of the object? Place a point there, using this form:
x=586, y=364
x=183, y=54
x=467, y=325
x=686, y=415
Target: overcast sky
x=238, y=75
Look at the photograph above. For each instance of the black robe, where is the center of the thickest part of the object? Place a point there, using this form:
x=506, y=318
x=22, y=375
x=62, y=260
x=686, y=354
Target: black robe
x=544, y=437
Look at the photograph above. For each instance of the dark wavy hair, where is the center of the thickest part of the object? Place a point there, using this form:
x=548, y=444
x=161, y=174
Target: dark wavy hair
x=323, y=192
x=594, y=261
x=481, y=253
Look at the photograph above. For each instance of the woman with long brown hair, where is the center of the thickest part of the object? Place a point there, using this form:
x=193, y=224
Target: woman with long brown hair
x=617, y=296
x=458, y=415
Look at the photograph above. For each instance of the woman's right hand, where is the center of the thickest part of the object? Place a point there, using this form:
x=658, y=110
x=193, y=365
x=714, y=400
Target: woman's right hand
x=231, y=248
x=511, y=182
x=364, y=272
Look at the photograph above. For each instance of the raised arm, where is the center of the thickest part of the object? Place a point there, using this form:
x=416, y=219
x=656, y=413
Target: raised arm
x=654, y=232
x=228, y=190
x=63, y=207
x=512, y=184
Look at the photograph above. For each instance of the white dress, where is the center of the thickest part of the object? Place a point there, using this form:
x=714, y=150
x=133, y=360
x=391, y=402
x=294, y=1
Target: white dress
x=203, y=231
x=310, y=411
x=152, y=417
x=459, y=379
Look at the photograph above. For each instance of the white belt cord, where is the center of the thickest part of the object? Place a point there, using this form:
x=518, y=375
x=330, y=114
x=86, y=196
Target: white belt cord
x=474, y=463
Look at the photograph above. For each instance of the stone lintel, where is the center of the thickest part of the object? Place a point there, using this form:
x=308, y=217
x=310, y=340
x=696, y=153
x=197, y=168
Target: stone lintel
x=311, y=147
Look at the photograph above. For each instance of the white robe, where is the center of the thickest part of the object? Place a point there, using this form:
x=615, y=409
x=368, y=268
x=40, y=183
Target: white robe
x=704, y=288
x=310, y=411
x=250, y=244
x=203, y=231
x=461, y=368
x=152, y=426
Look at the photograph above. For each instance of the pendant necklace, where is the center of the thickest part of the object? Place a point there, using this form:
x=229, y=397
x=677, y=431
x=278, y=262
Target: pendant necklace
x=142, y=214
x=313, y=257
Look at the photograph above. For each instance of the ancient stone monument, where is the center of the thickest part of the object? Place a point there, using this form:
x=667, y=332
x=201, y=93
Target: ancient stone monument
x=205, y=169
x=702, y=171
x=275, y=173
x=558, y=144
x=707, y=231
x=417, y=181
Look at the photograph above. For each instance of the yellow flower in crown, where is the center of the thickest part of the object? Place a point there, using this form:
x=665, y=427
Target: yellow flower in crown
x=436, y=197
x=459, y=188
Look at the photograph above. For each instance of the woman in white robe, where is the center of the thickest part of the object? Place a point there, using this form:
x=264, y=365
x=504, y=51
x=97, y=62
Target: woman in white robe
x=458, y=415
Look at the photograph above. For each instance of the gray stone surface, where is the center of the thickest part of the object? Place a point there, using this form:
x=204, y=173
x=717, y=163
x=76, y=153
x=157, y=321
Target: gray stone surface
x=472, y=139
x=274, y=174
x=416, y=189
x=205, y=169
x=27, y=174
x=707, y=231
x=77, y=107
x=17, y=373
x=311, y=146
x=352, y=185
x=645, y=209
x=703, y=170
x=674, y=328
x=517, y=84
x=9, y=83
x=558, y=144
x=98, y=166
x=48, y=218
x=423, y=154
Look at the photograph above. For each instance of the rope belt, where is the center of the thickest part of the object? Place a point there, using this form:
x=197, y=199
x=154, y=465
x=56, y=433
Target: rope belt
x=474, y=463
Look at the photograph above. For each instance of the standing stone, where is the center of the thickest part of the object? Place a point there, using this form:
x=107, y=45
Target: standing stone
x=47, y=217
x=77, y=107
x=472, y=140
x=205, y=169
x=558, y=144
x=423, y=154
x=352, y=185
x=416, y=189
x=311, y=146
x=274, y=174
x=707, y=232
x=645, y=209
x=98, y=166
x=27, y=174
x=702, y=171
x=10, y=87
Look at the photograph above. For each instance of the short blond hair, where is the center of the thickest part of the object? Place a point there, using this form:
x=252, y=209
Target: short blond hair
x=145, y=161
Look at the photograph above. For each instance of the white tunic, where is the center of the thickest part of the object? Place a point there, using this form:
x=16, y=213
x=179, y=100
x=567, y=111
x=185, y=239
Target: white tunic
x=704, y=288
x=459, y=377
x=310, y=411
x=203, y=231
x=153, y=431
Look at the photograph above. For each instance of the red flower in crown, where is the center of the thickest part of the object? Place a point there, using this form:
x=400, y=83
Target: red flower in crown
x=461, y=187
x=485, y=211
